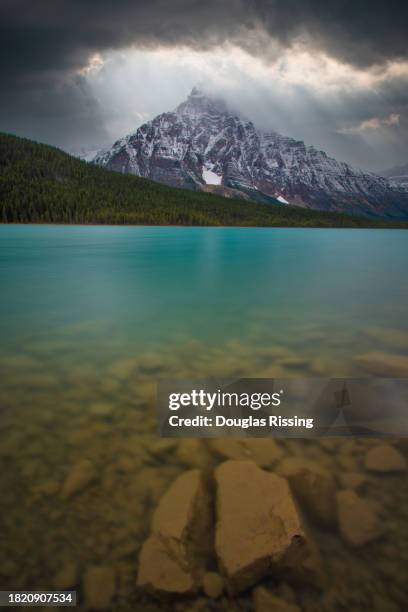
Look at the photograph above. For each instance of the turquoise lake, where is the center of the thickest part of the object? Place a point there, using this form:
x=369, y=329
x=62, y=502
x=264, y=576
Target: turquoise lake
x=114, y=291
x=92, y=317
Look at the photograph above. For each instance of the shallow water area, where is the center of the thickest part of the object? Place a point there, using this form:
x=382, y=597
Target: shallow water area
x=91, y=317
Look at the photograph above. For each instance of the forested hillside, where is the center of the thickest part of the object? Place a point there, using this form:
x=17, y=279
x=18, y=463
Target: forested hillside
x=42, y=184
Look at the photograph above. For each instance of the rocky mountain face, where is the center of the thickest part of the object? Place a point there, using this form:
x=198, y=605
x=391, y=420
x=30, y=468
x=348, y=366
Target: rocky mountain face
x=398, y=175
x=202, y=145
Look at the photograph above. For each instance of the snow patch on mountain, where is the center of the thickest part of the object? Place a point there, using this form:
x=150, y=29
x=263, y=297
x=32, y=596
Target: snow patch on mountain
x=210, y=177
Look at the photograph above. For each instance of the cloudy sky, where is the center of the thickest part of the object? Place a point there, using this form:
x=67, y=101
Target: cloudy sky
x=81, y=73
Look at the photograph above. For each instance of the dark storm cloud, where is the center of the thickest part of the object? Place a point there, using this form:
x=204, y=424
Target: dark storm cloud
x=41, y=37
x=43, y=44
x=58, y=113
x=361, y=32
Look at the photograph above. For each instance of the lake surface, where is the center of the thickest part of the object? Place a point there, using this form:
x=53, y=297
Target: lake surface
x=91, y=317
x=117, y=290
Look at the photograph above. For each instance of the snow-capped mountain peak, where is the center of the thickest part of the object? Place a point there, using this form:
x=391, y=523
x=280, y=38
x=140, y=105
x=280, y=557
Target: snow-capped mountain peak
x=199, y=104
x=202, y=143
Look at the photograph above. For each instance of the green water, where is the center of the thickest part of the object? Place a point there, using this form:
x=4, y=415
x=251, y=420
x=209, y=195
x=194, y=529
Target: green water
x=90, y=317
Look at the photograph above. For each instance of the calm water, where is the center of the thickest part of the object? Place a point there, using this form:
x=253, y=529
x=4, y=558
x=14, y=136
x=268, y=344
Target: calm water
x=90, y=317
x=121, y=289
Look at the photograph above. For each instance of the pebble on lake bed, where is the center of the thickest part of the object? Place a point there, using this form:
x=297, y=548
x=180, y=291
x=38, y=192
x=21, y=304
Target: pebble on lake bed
x=352, y=480
x=162, y=446
x=80, y=476
x=264, y=451
x=265, y=601
x=395, y=338
x=213, y=585
x=385, y=458
x=99, y=586
x=101, y=409
x=313, y=485
x=358, y=522
x=193, y=453
x=66, y=578
x=384, y=364
x=123, y=368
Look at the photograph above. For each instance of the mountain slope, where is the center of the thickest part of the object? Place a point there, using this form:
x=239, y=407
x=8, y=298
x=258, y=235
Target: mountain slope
x=41, y=184
x=201, y=143
x=398, y=175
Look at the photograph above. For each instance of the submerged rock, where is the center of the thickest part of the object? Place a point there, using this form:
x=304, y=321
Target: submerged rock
x=123, y=368
x=46, y=488
x=110, y=385
x=152, y=363
x=193, y=453
x=99, y=586
x=175, y=554
x=309, y=572
x=396, y=338
x=160, y=571
x=352, y=480
x=81, y=475
x=150, y=483
x=101, y=409
x=66, y=578
x=213, y=585
x=385, y=458
x=264, y=451
x=384, y=364
x=265, y=601
x=183, y=512
x=313, y=485
x=358, y=522
x=162, y=447
x=258, y=527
